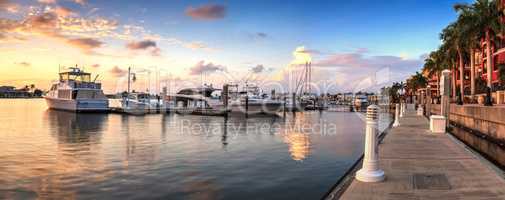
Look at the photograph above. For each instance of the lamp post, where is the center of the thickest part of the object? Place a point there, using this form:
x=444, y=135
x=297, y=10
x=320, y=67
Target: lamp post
x=401, y=93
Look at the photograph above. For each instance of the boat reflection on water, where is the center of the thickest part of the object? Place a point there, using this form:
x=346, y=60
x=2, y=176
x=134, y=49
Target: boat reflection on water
x=77, y=153
x=76, y=127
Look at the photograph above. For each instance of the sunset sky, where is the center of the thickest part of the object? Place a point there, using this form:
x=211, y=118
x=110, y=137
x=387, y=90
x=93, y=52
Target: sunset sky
x=350, y=43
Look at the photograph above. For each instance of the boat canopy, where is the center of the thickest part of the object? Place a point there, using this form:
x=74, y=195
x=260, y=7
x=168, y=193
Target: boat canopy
x=204, y=91
x=75, y=75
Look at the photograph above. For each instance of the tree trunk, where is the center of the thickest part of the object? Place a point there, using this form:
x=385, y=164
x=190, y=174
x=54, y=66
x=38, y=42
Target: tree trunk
x=453, y=84
x=461, y=75
x=472, y=72
x=489, y=58
x=438, y=84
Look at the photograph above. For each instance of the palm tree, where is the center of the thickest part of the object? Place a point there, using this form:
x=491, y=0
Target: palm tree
x=486, y=16
x=417, y=81
x=472, y=34
x=434, y=65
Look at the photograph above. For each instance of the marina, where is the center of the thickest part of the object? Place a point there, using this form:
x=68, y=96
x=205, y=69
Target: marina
x=252, y=100
x=76, y=92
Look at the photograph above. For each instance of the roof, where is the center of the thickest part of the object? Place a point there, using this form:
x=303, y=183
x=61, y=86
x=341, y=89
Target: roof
x=75, y=71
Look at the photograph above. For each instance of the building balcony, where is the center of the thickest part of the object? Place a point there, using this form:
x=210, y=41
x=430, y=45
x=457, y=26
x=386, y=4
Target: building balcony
x=494, y=76
x=465, y=82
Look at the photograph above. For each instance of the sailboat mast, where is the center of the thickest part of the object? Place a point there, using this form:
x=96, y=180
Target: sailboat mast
x=129, y=70
x=306, y=77
x=310, y=77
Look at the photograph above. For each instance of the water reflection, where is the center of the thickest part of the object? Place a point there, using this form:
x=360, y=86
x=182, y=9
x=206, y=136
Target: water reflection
x=299, y=145
x=224, y=137
x=76, y=127
x=78, y=150
x=77, y=154
x=298, y=142
x=60, y=155
x=200, y=189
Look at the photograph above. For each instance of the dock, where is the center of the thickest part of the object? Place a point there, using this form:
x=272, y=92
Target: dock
x=419, y=164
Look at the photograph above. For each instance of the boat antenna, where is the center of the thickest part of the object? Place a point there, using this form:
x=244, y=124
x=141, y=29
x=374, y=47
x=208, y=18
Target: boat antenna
x=96, y=77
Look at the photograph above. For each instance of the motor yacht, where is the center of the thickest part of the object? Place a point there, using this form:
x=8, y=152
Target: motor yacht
x=74, y=91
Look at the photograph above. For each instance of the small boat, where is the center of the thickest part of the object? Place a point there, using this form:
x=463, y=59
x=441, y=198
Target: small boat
x=360, y=102
x=293, y=105
x=252, y=100
x=137, y=103
x=75, y=92
x=204, y=100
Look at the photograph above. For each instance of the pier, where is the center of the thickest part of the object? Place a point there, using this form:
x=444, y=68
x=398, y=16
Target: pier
x=419, y=164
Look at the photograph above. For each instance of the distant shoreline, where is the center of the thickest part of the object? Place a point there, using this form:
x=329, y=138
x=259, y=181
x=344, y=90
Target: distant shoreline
x=20, y=97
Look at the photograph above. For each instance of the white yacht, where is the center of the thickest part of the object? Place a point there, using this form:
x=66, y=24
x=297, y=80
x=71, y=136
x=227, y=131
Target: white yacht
x=204, y=100
x=252, y=100
x=76, y=92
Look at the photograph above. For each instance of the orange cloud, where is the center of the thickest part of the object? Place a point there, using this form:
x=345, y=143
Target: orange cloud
x=202, y=67
x=47, y=1
x=9, y=6
x=144, y=45
x=118, y=72
x=63, y=12
x=207, y=12
x=86, y=44
x=82, y=2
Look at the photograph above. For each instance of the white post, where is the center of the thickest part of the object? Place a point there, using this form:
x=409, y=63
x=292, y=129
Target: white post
x=420, y=111
x=397, y=115
x=445, y=88
x=370, y=171
x=401, y=109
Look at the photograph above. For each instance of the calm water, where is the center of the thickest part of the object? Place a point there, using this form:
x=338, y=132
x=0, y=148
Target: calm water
x=54, y=154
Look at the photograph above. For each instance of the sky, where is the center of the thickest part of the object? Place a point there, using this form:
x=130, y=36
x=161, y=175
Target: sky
x=352, y=45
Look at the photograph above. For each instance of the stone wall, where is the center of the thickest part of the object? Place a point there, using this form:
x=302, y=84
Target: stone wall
x=435, y=109
x=482, y=128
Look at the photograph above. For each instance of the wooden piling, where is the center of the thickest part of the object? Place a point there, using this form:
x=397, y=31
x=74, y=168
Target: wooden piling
x=284, y=109
x=294, y=103
x=224, y=97
x=246, y=106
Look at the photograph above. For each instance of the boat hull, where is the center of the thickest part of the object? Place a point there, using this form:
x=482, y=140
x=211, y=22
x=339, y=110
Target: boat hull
x=79, y=105
x=261, y=108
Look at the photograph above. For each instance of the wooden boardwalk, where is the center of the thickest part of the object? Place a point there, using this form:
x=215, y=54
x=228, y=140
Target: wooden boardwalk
x=421, y=165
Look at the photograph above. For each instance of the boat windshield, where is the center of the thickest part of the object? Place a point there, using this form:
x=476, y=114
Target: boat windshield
x=75, y=76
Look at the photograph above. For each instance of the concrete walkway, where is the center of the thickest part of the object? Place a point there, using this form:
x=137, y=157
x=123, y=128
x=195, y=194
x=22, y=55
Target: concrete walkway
x=421, y=165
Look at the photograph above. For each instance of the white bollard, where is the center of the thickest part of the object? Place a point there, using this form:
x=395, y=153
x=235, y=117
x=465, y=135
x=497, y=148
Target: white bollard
x=370, y=171
x=401, y=110
x=420, y=111
x=397, y=113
